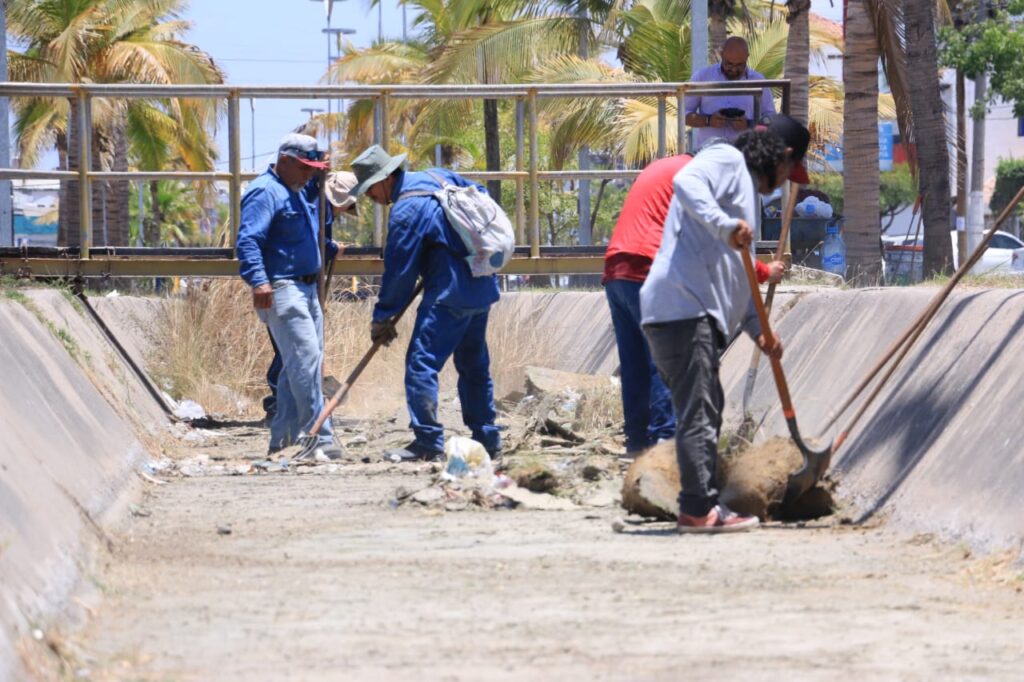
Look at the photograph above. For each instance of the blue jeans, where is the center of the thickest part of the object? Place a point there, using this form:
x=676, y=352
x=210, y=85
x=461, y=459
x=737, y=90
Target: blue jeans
x=297, y=326
x=646, y=401
x=440, y=333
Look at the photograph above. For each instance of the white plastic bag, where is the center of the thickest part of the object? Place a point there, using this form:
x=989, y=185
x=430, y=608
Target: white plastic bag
x=466, y=458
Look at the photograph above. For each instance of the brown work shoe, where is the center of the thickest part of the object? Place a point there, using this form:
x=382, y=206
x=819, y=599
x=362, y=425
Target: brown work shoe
x=720, y=519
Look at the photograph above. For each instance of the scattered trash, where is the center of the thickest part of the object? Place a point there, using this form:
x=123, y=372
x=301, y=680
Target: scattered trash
x=223, y=530
x=189, y=409
x=466, y=457
x=156, y=466
x=37, y=634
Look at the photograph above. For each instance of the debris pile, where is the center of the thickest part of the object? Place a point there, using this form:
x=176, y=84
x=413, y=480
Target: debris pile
x=751, y=478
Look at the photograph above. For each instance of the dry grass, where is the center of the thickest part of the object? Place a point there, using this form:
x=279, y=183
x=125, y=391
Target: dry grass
x=210, y=347
x=601, y=409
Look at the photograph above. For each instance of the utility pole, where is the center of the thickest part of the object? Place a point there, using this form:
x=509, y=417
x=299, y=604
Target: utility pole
x=961, y=167
x=976, y=208
x=585, y=231
x=6, y=217
x=698, y=36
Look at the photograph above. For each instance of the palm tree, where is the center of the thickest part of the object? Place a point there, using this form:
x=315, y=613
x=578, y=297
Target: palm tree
x=930, y=132
x=798, y=56
x=468, y=41
x=656, y=47
x=860, y=145
x=108, y=41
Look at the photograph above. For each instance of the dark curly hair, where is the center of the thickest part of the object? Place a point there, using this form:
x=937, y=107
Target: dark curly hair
x=763, y=151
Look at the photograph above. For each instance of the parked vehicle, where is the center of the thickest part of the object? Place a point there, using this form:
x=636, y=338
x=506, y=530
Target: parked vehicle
x=1004, y=255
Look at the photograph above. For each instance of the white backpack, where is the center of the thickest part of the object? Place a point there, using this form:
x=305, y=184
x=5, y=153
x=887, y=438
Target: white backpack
x=476, y=217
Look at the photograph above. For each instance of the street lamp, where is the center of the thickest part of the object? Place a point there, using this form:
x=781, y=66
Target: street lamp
x=311, y=111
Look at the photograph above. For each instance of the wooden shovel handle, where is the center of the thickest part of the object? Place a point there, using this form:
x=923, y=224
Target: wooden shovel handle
x=766, y=330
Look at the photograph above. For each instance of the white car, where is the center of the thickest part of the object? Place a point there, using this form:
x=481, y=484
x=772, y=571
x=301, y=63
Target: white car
x=1004, y=255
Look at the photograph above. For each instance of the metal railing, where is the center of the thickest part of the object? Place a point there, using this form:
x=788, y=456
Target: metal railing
x=526, y=174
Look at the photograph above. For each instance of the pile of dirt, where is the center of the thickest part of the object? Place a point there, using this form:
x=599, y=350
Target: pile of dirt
x=752, y=480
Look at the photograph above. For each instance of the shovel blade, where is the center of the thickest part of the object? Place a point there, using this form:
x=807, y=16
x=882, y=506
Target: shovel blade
x=814, y=466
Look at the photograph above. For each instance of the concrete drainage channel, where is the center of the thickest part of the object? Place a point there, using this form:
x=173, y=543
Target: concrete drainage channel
x=938, y=454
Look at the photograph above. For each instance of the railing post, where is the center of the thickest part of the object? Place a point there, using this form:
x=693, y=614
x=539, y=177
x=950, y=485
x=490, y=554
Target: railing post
x=385, y=129
x=235, y=164
x=84, y=166
x=661, y=126
x=534, y=184
x=681, y=121
x=378, y=211
x=520, y=160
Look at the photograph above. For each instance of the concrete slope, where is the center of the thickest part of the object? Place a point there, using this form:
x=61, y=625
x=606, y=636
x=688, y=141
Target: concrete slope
x=576, y=325
x=66, y=455
x=940, y=450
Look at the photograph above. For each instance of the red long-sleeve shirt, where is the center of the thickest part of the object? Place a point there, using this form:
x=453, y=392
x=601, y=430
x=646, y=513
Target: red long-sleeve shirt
x=637, y=234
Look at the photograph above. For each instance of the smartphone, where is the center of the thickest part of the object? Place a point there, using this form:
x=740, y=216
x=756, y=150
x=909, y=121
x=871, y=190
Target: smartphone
x=733, y=112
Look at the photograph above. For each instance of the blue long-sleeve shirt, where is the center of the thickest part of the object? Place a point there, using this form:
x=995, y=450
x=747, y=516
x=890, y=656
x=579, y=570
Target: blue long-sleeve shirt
x=421, y=243
x=279, y=233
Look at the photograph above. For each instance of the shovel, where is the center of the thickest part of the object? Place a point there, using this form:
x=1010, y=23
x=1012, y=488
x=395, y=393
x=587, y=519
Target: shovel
x=748, y=426
x=815, y=461
x=310, y=442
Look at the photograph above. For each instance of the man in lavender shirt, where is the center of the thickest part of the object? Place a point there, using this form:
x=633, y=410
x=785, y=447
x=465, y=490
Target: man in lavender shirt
x=711, y=116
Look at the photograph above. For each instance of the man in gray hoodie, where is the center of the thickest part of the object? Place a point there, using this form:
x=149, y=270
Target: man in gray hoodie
x=696, y=297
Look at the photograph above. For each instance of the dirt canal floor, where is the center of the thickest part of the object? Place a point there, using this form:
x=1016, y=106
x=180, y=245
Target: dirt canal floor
x=321, y=575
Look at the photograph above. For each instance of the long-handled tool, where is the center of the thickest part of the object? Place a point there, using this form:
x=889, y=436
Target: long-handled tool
x=815, y=461
x=310, y=441
x=748, y=426
x=898, y=350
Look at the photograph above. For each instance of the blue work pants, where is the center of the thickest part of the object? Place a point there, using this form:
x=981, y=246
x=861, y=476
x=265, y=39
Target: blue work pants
x=442, y=332
x=297, y=326
x=646, y=401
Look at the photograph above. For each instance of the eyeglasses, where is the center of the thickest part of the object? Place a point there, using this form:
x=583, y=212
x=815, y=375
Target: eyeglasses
x=733, y=65
x=311, y=155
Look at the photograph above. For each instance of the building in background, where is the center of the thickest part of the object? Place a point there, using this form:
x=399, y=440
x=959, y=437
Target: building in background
x=35, y=212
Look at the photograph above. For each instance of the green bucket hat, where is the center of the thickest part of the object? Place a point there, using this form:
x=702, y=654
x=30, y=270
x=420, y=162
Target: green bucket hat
x=372, y=166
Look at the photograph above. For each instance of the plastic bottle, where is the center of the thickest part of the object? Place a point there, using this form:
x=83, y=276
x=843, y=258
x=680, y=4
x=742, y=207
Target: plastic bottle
x=833, y=252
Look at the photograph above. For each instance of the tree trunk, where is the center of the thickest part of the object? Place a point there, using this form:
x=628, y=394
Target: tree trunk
x=860, y=148
x=492, y=143
x=154, y=229
x=930, y=131
x=119, y=193
x=68, y=228
x=101, y=153
x=798, y=56
x=718, y=30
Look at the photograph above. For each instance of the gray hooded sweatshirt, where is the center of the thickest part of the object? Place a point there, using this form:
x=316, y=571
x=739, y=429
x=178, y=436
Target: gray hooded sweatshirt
x=697, y=272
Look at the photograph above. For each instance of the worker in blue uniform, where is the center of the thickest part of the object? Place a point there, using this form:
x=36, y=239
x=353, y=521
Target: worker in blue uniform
x=451, y=321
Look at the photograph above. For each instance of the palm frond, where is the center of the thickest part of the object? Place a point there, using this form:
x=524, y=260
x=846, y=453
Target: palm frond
x=504, y=51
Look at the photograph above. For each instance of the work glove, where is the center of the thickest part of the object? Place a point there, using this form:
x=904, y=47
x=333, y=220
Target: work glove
x=383, y=332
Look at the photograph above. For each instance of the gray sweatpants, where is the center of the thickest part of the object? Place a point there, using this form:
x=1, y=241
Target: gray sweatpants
x=687, y=354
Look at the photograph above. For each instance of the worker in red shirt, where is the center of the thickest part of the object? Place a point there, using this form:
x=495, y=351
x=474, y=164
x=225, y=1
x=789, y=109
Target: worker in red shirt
x=646, y=401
